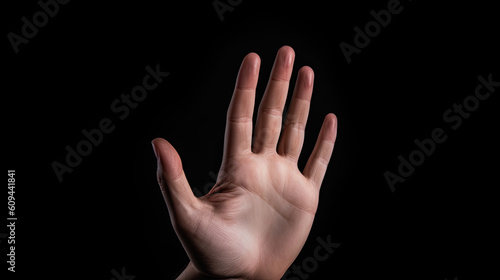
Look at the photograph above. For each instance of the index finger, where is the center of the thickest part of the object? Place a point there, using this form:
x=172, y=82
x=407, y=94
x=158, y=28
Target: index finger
x=238, y=135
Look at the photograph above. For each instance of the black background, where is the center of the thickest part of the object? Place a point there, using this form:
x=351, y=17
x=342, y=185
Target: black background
x=109, y=213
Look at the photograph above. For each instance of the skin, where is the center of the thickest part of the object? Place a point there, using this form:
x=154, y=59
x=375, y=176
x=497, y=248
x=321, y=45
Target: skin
x=256, y=219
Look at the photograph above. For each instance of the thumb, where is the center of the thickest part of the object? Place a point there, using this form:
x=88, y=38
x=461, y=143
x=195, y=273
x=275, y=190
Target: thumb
x=172, y=180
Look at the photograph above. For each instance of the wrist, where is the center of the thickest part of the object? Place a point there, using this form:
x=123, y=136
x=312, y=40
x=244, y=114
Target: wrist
x=191, y=273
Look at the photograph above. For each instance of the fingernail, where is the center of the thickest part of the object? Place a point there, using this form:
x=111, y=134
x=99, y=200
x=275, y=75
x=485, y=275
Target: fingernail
x=154, y=149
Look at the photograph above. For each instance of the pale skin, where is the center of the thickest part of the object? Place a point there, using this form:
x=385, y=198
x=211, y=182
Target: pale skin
x=256, y=219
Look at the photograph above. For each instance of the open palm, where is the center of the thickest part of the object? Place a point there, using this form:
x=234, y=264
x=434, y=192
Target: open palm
x=256, y=219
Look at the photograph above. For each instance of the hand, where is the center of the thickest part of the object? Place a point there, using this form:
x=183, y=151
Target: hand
x=255, y=220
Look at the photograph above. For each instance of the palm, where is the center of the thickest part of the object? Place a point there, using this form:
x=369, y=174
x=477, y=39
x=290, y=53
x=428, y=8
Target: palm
x=255, y=220
x=252, y=212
